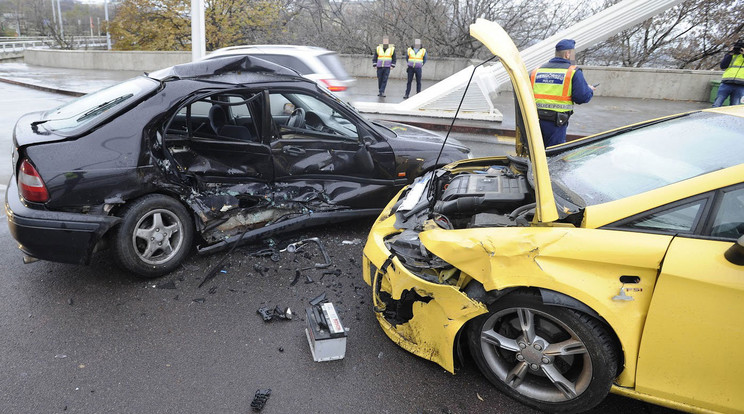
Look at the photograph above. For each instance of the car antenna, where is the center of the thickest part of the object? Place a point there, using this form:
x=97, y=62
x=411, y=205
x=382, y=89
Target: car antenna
x=460, y=105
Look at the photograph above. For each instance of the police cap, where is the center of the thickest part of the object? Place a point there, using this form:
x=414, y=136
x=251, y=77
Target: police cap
x=565, y=44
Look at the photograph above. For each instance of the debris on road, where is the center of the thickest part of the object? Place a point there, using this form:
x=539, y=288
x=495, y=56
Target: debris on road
x=319, y=299
x=352, y=242
x=269, y=314
x=295, y=247
x=260, y=399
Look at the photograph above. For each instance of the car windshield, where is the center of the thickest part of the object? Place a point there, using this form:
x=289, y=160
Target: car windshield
x=649, y=157
x=70, y=117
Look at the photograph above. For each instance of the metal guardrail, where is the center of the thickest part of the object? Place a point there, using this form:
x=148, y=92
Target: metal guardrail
x=14, y=45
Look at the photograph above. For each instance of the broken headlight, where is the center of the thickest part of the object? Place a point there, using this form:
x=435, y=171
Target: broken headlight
x=419, y=261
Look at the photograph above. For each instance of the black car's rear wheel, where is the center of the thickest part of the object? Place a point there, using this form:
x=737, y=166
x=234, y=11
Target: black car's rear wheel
x=154, y=237
x=551, y=358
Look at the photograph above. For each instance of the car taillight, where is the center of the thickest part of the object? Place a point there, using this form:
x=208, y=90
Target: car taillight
x=333, y=86
x=30, y=184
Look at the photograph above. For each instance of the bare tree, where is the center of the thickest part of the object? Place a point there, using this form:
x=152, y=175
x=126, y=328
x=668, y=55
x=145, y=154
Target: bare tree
x=690, y=35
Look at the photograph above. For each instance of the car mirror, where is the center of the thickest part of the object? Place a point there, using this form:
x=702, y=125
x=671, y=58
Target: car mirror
x=735, y=253
x=368, y=140
x=364, y=159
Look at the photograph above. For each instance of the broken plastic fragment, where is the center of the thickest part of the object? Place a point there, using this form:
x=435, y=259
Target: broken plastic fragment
x=352, y=242
x=260, y=399
x=319, y=299
x=277, y=313
x=296, y=278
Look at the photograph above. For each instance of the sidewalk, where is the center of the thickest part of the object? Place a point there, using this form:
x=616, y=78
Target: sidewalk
x=601, y=114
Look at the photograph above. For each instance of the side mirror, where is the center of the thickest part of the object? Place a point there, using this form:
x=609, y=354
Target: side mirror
x=735, y=253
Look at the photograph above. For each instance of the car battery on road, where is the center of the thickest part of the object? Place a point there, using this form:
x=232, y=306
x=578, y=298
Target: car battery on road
x=325, y=332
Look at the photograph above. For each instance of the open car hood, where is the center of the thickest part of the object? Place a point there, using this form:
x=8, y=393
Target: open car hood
x=493, y=36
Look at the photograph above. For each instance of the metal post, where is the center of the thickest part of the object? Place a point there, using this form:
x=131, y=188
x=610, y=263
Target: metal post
x=61, y=27
x=105, y=16
x=198, y=43
x=54, y=15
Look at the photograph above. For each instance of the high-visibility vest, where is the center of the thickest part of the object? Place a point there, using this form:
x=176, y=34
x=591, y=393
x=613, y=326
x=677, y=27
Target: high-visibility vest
x=735, y=72
x=385, y=56
x=552, y=88
x=416, y=60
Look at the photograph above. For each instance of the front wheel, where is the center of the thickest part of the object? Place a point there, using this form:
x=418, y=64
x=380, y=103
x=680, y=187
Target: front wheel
x=551, y=358
x=154, y=237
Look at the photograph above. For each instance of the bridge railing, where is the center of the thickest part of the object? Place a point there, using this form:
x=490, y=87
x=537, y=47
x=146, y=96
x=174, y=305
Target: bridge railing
x=14, y=45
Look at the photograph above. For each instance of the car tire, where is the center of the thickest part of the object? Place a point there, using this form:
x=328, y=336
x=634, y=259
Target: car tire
x=154, y=237
x=565, y=361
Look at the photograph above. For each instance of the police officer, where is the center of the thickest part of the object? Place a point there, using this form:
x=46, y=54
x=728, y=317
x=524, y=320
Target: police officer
x=416, y=58
x=383, y=59
x=557, y=86
x=732, y=83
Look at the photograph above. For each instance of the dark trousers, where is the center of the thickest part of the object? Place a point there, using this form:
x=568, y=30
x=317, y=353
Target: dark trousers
x=553, y=134
x=411, y=72
x=729, y=90
x=382, y=78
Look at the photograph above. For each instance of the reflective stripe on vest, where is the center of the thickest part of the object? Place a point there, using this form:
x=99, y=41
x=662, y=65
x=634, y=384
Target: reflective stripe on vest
x=735, y=70
x=552, y=88
x=416, y=60
x=385, y=56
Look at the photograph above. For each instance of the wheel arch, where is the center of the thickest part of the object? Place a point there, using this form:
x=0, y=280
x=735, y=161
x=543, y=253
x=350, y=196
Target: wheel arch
x=476, y=291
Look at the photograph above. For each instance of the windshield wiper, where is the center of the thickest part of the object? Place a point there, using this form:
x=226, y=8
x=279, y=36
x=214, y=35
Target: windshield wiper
x=103, y=107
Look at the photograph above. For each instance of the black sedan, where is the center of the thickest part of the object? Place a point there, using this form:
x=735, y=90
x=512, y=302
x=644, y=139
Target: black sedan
x=212, y=153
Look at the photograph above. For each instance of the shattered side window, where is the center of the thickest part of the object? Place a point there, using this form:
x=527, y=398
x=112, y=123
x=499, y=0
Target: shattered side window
x=225, y=115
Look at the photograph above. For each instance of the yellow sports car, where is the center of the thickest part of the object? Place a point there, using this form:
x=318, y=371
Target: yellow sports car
x=611, y=263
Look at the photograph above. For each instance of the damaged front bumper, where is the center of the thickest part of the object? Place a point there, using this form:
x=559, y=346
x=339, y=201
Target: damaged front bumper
x=422, y=316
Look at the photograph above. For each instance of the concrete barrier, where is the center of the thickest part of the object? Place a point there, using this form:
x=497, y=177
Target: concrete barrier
x=106, y=60
x=640, y=83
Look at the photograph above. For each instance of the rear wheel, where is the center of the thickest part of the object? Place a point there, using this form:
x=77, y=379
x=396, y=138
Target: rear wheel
x=154, y=237
x=551, y=358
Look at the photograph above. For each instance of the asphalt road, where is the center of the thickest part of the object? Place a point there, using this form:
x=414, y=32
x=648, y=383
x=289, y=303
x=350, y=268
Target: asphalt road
x=94, y=339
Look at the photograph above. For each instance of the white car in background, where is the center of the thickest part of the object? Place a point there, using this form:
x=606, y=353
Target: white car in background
x=316, y=63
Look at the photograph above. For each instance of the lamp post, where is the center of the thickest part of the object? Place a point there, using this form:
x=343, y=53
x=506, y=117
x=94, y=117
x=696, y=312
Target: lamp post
x=198, y=43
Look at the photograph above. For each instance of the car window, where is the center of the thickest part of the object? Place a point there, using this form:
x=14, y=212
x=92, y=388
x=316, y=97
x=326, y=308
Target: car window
x=678, y=219
x=649, y=157
x=239, y=109
x=729, y=220
x=331, y=61
x=89, y=109
x=318, y=117
x=291, y=62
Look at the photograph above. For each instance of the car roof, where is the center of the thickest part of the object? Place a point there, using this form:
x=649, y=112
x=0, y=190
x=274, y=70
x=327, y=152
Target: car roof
x=218, y=67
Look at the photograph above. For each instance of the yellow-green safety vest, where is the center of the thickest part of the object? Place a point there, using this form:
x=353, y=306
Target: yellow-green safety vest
x=416, y=60
x=735, y=71
x=552, y=88
x=385, y=56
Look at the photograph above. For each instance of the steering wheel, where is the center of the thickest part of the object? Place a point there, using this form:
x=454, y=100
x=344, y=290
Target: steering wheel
x=297, y=118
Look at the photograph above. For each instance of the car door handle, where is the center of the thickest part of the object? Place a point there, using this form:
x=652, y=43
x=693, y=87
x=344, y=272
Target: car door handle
x=290, y=150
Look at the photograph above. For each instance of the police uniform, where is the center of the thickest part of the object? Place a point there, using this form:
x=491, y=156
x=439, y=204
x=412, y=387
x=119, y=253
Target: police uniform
x=383, y=59
x=416, y=58
x=557, y=86
x=732, y=82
